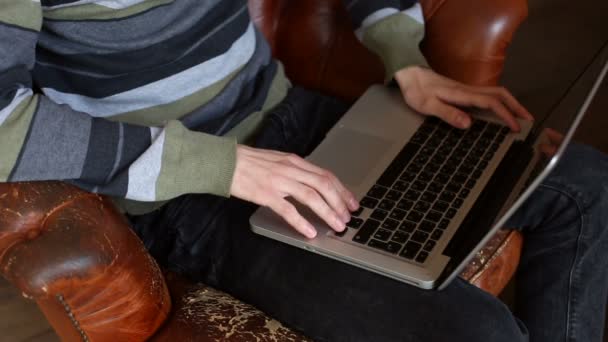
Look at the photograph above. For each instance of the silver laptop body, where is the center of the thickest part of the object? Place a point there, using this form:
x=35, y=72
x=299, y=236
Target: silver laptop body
x=360, y=148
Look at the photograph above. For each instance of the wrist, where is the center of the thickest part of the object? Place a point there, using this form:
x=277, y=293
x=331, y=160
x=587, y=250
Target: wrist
x=407, y=76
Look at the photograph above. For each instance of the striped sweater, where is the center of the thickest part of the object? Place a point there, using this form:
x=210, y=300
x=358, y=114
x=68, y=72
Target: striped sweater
x=145, y=100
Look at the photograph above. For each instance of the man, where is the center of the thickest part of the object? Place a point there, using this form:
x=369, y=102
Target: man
x=145, y=100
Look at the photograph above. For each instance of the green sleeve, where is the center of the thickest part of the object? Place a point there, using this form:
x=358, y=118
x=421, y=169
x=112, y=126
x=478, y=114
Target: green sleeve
x=194, y=162
x=396, y=39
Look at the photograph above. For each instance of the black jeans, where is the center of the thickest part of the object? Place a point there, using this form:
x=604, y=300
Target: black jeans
x=562, y=280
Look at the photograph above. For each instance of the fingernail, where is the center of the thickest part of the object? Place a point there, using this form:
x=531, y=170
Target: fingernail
x=311, y=231
x=346, y=216
x=339, y=224
x=464, y=121
x=354, y=204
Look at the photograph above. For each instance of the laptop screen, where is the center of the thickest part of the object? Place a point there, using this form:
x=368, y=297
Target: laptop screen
x=485, y=218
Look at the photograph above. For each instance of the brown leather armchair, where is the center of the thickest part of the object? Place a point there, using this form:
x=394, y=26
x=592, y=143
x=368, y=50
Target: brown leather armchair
x=74, y=254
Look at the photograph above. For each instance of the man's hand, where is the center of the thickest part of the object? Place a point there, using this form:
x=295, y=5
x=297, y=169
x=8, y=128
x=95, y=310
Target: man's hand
x=553, y=140
x=432, y=94
x=267, y=177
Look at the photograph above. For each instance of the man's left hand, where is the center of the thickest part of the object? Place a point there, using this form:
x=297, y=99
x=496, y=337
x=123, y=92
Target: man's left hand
x=432, y=94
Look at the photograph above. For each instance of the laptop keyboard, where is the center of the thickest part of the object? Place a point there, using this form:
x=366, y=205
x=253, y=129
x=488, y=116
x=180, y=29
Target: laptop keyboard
x=424, y=187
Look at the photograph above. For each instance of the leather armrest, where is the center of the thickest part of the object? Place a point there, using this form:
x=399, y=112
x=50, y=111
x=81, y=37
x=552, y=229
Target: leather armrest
x=467, y=39
x=74, y=254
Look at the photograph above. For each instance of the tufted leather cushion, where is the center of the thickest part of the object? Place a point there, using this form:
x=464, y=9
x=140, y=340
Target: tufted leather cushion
x=74, y=254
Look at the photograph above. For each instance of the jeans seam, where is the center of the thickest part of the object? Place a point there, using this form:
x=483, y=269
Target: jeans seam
x=573, y=275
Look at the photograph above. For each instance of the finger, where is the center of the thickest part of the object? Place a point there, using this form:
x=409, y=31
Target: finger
x=554, y=136
x=320, y=185
x=309, y=197
x=291, y=215
x=508, y=99
x=449, y=114
x=467, y=98
x=548, y=150
x=347, y=196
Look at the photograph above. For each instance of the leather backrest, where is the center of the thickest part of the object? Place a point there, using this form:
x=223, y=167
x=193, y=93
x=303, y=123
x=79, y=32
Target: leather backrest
x=465, y=40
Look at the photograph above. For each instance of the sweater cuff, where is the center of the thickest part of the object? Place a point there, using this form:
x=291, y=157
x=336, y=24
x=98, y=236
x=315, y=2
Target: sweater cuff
x=195, y=162
x=396, y=39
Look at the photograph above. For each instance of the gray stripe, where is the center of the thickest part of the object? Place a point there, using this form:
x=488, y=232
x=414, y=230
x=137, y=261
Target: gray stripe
x=167, y=90
x=107, y=3
x=17, y=47
x=137, y=32
x=57, y=144
x=226, y=100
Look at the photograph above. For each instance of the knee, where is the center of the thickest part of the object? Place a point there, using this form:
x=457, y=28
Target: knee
x=482, y=317
x=582, y=173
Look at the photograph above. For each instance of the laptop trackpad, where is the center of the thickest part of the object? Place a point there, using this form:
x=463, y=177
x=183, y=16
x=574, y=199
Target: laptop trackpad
x=350, y=154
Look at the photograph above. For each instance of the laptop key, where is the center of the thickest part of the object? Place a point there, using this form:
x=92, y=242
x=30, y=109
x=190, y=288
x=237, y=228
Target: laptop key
x=407, y=226
x=457, y=203
x=432, y=167
x=400, y=185
x=412, y=195
x=400, y=237
x=419, y=236
x=442, y=178
x=470, y=184
x=452, y=187
x=368, y=202
x=398, y=215
x=443, y=224
x=415, y=216
x=414, y=168
x=405, y=204
x=459, y=178
x=422, y=206
x=429, y=245
x=408, y=176
x=382, y=234
x=355, y=222
x=433, y=216
x=394, y=195
x=379, y=214
x=366, y=231
x=377, y=244
x=410, y=250
x=450, y=213
x=377, y=191
x=421, y=258
x=390, y=224
x=435, y=187
x=428, y=196
x=386, y=205
x=464, y=193
x=426, y=176
x=436, y=235
x=419, y=185
x=476, y=174
x=342, y=233
x=419, y=138
x=447, y=196
x=426, y=226
x=441, y=206
x=393, y=247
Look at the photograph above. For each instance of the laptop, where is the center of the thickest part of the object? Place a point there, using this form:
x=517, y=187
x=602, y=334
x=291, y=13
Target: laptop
x=431, y=195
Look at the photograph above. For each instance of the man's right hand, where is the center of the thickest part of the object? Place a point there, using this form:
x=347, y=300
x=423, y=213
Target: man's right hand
x=267, y=177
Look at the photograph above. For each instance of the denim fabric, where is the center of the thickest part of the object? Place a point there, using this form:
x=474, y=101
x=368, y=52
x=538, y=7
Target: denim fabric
x=561, y=288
